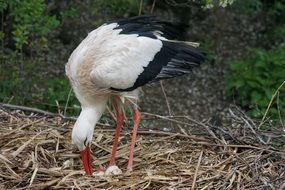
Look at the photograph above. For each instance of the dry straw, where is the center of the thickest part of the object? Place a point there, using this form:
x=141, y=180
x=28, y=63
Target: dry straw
x=36, y=153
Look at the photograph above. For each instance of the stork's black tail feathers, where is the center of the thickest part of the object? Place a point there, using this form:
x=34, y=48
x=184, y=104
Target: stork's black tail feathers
x=178, y=58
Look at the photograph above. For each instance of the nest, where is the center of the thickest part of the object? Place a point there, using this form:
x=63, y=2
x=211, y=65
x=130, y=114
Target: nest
x=36, y=153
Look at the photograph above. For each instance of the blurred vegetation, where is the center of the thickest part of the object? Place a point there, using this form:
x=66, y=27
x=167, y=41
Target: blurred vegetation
x=38, y=36
x=27, y=28
x=252, y=81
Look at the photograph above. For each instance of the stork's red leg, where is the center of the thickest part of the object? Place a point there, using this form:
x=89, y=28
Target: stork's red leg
x=136, y=119
x=119, y=124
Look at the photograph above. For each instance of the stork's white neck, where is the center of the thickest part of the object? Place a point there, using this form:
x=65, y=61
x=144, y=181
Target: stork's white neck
x=83, y=129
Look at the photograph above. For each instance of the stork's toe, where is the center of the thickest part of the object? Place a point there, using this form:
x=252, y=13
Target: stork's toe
x=99, y=173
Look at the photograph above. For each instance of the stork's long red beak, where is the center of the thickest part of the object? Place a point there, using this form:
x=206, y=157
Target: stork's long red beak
x=86, y=160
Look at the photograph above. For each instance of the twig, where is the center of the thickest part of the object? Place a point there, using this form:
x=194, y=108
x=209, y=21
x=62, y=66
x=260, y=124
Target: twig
x=47, y=113
x=248, y=122
x=166, y=99
x=196, y=171
x=152, y=6
x=45, y=185
x=206, y=127
x=141, y=5
x=242, y=113
x=111, y=113
x=67, y=101
x=270, y=103
x=279, y=110
x=58, y=107
x=4, y=159
x=35, y=110
x=33, y=176
x=24, y=108
x=253, y=131
x=282, y=186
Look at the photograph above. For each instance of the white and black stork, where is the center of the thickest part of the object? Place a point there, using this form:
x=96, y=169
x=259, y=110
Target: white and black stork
x=113, y=62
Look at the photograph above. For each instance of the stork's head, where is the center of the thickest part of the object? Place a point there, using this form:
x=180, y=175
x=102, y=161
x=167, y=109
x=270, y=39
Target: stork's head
x=83, y=129
x=82, y=137
x=82, y=134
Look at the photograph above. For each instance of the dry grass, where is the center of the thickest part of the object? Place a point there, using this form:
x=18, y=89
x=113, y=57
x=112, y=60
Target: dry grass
x=36, y=153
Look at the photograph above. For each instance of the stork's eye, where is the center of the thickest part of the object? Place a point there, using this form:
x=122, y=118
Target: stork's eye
x=85, y=142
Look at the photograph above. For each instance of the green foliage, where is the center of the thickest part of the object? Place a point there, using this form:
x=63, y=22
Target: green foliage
x=36, y=91
x=14, y=88
x=59, y=89
x=253, y=81
x=26, y=27
x=30, y=22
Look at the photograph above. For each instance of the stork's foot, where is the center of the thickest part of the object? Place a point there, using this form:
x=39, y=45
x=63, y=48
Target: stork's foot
x=113, y=170
x=99, y=173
